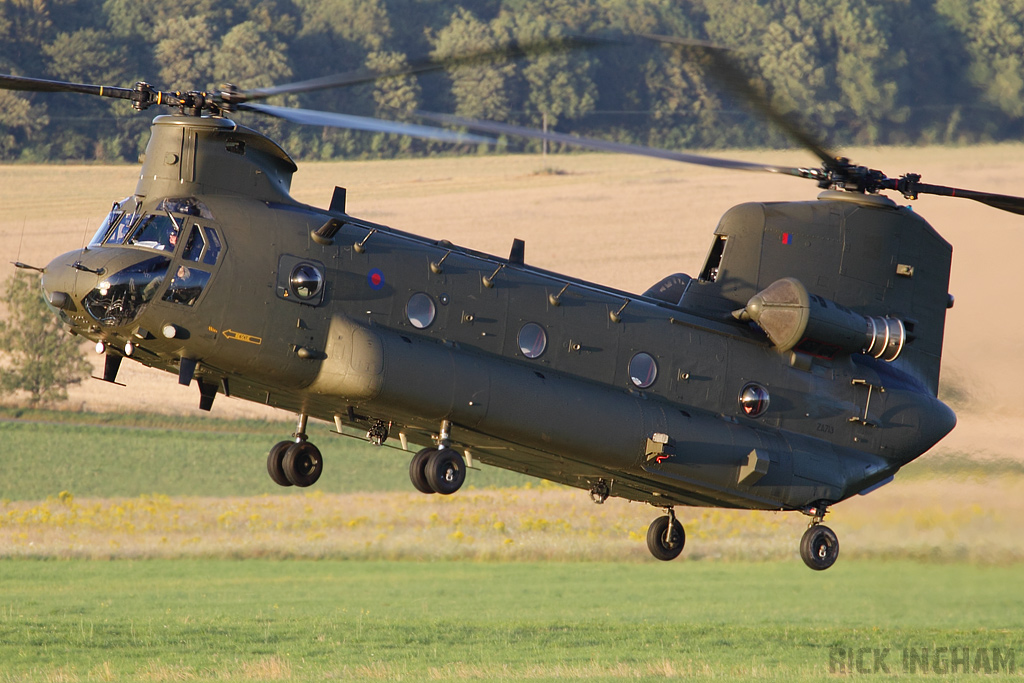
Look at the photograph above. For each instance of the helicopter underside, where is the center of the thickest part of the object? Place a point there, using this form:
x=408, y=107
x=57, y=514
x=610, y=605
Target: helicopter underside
x=650, y=478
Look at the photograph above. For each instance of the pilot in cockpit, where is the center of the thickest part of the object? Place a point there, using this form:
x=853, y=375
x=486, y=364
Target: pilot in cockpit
x=172, y=239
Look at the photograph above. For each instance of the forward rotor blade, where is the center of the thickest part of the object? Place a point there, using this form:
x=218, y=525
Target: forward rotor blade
x=322, y=118
x=724, y=69
x=617, y=147
x=361, y=76
x=8, y=82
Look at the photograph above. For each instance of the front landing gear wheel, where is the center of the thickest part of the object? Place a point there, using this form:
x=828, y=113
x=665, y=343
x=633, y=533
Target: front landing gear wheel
x=665, y=538
x=445, y=470
x=417, y=470
x=819, y=547
x=275, y=463
x=302, y=464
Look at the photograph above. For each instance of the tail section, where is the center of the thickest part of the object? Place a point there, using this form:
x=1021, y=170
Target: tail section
x=830, y=273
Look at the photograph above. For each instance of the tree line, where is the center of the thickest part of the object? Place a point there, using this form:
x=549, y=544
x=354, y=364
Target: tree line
x=854, y=72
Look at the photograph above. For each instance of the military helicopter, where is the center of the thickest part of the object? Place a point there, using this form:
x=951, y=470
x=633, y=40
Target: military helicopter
x=799, y=367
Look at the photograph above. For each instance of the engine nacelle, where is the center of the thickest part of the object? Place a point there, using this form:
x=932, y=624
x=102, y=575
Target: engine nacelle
x=793, y=318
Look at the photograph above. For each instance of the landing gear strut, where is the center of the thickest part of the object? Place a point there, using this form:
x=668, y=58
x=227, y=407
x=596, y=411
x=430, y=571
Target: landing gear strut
x=295, y=463
x=438, y=470
x=665, y=536
x=819, y=547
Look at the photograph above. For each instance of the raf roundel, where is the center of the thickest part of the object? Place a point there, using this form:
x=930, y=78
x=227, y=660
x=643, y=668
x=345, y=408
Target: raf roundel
x=375, y=278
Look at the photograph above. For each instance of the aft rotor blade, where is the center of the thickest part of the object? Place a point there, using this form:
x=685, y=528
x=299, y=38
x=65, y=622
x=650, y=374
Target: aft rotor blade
x=333, y=120
x=999, y=201
x=724, y=69
x=365, y=75
x=617, y=147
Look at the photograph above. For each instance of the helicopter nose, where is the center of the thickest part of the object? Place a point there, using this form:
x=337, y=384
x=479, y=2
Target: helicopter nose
x=58, y=283
x=68, y=278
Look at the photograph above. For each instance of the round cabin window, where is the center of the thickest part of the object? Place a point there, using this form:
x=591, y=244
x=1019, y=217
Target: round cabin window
x=420, y=310
x=754, y=399
x=306, y=281
x=532, y=340
x=643, y=370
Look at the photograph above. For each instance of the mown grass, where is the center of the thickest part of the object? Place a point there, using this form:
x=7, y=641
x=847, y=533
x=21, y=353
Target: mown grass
x=301, y=620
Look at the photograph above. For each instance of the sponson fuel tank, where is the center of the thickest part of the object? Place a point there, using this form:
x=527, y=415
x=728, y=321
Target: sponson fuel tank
x=793, y=318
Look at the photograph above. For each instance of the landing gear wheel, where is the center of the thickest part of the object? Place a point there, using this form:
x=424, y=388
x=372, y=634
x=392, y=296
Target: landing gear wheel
x=819, y=547
x=302, y=464
x=275, y=463
x=666, y=538
x=417, y=470
x=445, y=470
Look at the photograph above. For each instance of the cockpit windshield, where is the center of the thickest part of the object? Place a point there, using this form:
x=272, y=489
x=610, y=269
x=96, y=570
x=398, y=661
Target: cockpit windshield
x=156, y=231
x=160, y=229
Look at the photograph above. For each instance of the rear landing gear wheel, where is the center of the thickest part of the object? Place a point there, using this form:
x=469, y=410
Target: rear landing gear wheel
x=302, y=464
x=446, y=471
x=275, y=463
x=417, y=470
x=819, y=547
x=666, y=538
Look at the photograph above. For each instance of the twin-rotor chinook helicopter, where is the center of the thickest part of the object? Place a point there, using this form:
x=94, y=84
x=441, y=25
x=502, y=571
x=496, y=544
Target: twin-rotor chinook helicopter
x=798, y=368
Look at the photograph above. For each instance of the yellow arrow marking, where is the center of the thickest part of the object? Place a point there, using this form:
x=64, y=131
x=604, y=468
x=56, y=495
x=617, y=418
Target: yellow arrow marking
x=241, y=336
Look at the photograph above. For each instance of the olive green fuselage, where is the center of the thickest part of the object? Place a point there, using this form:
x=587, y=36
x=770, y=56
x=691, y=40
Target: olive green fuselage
x=372, y=324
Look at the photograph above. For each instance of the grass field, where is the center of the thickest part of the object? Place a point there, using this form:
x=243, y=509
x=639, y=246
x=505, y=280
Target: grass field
x=267, y=620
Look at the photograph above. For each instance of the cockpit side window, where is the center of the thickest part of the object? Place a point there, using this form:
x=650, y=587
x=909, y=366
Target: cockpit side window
x=186, y=285
x=202, y=248
x=213, y=246
x=193, y=245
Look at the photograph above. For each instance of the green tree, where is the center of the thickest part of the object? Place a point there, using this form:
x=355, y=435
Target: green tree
x=480, y=90
x=993, y=32
x=25, y=26
x=363, y=22
x=38, y=357
x=251, y=57
x=19, y=120
x=87, y=56
x=558, y=83
x=684, y=109
x=185, y=48
x=396, y=98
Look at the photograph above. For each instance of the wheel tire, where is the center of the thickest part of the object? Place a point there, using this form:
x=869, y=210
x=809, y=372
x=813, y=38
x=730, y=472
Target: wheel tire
x=417, y=470
x=303, y=464
x=819, y=547
x=445, y=470
x=275, y=463
x=665, y=544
